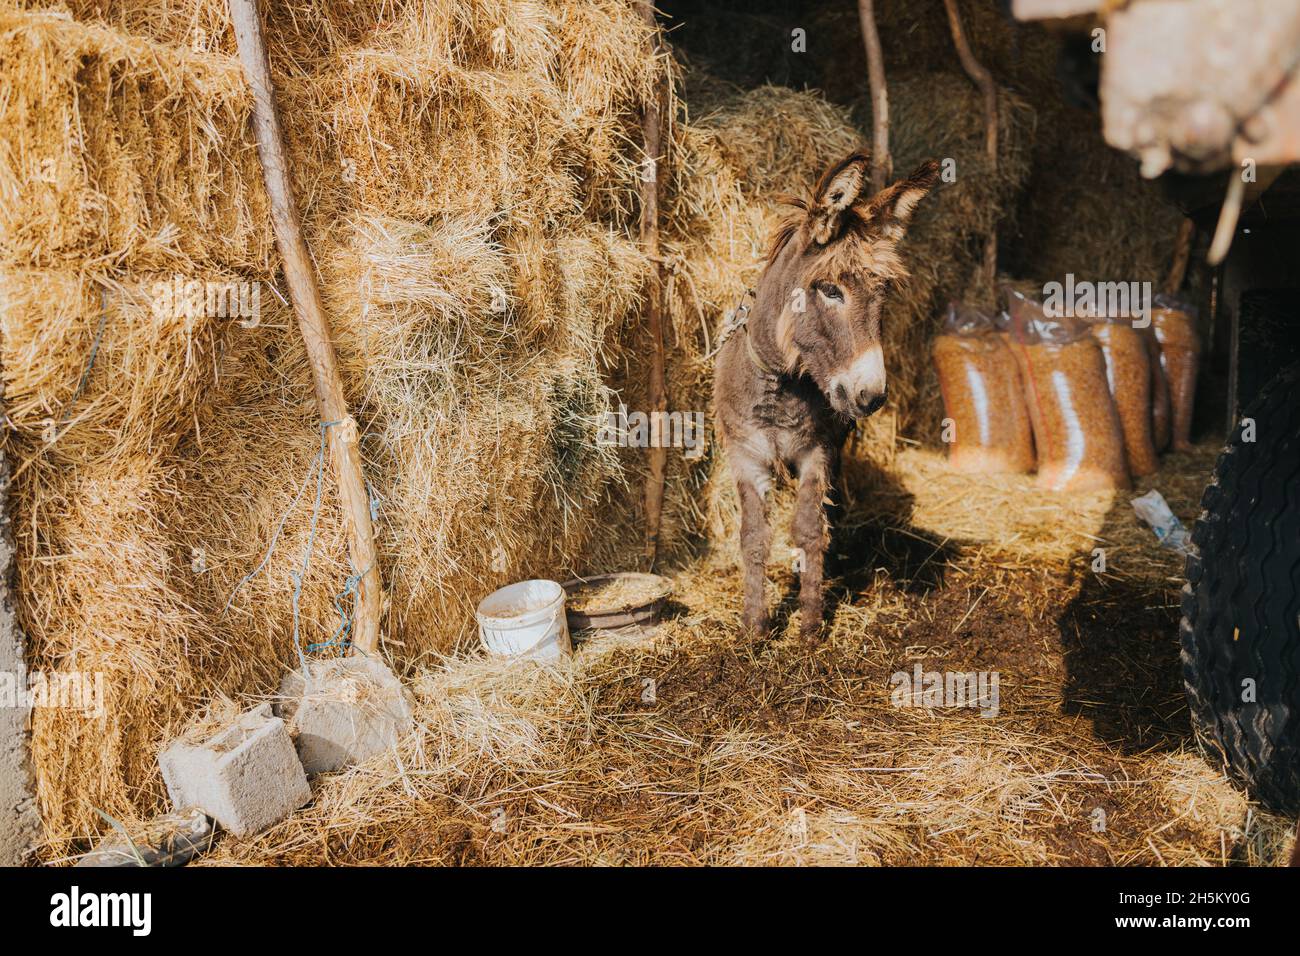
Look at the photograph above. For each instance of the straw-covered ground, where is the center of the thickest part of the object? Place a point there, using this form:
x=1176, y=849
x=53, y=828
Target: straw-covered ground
x=689, y=746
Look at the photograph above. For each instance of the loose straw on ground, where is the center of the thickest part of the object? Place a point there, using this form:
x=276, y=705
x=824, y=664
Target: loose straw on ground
x=881, y=162
x=652, y=133
x=305, y=294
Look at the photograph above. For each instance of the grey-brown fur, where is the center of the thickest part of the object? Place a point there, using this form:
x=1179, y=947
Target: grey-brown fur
x=787, y=387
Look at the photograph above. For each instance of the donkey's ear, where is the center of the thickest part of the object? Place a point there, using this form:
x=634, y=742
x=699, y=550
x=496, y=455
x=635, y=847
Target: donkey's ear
x=838, y=189
x=889, y=211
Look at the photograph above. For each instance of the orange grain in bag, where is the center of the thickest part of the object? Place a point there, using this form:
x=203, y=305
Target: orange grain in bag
x=983, y=397
x=1076, y=427
x=1128, y=373
x=1180, y=352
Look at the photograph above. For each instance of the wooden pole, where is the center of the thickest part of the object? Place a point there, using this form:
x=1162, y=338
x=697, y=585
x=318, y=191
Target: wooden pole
x=882, y=164
x=1182, y=253
x=300, y=275
x=984, y=80
x=1229, y=213
x=652, y=140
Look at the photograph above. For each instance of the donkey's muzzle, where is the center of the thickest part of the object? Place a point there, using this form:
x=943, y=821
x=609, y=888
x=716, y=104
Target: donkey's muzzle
x=865, y=402
x=869, y=405
x=859, y=390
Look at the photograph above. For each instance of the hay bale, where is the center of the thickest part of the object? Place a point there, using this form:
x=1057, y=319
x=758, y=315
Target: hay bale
x=194, y=442
x=118, y=151
x=1086, y=210
x=773, y=137
x=464, y=423
x=98, y=365
x=98, y=589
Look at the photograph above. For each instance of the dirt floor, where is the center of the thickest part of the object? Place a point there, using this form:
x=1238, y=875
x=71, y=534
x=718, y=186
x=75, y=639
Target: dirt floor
x=689, y=746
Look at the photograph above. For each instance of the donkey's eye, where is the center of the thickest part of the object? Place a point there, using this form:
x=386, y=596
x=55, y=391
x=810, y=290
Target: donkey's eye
x=829, y=291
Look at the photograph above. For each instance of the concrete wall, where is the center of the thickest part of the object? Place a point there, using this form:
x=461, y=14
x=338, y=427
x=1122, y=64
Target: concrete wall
x=19, y=823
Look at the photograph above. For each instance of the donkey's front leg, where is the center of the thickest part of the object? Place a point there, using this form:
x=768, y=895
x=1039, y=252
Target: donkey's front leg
x=811, y=537
x=755, y=538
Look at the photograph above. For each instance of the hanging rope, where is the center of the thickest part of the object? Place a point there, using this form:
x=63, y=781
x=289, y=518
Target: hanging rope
x=341, y=638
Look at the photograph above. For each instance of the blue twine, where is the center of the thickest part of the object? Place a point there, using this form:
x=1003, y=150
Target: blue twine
x=90, y=364
x=298, y=576
x=275, y=535
x=340, y=637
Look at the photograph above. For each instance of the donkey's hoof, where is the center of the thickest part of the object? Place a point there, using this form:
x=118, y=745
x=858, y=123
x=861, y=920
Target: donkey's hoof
x=812, y=630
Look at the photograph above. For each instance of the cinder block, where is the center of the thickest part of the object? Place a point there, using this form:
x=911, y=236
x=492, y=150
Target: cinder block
x=343, y=711
x=246, y=775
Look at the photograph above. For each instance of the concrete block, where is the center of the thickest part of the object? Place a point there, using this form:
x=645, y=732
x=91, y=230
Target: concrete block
x=343, y=711
x=169, y=840
x=245, y=775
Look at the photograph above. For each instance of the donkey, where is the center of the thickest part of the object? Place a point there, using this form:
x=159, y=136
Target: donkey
x=788, y=384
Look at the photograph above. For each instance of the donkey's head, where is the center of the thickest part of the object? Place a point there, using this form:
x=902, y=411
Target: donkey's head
x=831, y=266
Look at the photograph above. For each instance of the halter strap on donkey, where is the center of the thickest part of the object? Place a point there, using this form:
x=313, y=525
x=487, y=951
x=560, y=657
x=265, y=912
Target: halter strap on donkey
x=738, y=321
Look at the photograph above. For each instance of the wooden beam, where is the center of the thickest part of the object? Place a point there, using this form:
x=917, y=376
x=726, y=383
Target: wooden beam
x=1182, y=253
x=983, y=79
x=652, y=145
x=300, y=276
x=1053, y=9
x=882, y=164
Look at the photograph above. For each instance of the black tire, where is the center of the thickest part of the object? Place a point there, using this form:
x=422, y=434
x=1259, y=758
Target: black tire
x=1241, y=603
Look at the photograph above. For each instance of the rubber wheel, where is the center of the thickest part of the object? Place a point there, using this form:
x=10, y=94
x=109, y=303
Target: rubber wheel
x=1241, y=603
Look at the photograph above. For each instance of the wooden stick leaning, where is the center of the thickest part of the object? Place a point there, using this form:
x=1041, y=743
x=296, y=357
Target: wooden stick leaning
x=652, y=135
x=983, y=79
x=300, y=276
x=882, y=164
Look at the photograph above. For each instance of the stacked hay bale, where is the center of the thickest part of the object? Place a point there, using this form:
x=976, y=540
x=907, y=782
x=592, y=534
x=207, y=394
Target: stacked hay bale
x=468, y=177
x=123, y=162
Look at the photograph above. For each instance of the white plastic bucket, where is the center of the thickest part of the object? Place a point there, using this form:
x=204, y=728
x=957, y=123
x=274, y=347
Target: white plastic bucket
x=525, y=620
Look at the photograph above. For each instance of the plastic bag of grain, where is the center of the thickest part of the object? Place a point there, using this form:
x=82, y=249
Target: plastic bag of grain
x=1174, y=321
x=1128, y=373
x=982, y=396
x=1076, y=427
x=1161, y=413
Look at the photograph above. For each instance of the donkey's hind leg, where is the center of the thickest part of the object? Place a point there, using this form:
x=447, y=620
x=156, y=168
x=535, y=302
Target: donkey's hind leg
x=755, y=539
x=812, y=537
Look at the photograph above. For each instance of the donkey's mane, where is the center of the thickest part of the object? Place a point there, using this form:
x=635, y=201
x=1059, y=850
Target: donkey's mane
x=853, y=231
x=851, y=250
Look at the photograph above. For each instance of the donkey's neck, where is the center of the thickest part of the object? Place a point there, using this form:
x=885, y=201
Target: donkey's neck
x=772, y=296
x=763, y=345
